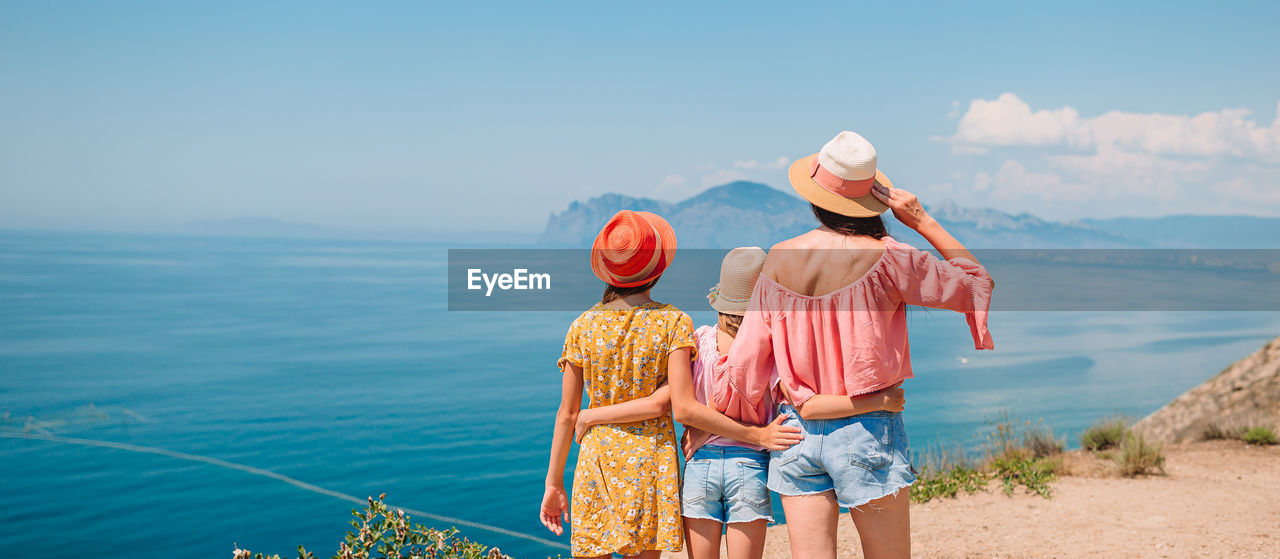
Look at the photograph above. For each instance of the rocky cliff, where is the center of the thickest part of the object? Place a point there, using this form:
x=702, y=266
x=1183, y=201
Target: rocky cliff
x=1245, y=394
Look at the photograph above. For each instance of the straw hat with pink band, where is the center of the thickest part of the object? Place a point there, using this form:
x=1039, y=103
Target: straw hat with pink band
x=633, y=249
x=839, y=177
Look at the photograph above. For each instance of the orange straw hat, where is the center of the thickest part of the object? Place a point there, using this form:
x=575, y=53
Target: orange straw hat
x=633, y=249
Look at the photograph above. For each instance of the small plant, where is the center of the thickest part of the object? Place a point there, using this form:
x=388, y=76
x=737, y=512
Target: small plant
x=1013, y=461
x=945, y=473
x=1107, y=433
x=1034, y=474
x=931, y=484
x=381, y=533
x=1137, y=456
x=1042, y=443
x=1260, y=435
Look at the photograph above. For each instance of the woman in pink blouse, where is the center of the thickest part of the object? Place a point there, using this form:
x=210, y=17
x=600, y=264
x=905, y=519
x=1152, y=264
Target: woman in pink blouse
x=829, y=312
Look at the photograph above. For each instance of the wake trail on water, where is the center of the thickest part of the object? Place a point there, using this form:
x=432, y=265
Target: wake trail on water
x=276, y=476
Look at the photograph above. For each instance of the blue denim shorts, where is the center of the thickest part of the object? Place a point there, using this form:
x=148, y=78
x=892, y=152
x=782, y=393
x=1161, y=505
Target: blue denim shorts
x=861, y=458
x=727, y=484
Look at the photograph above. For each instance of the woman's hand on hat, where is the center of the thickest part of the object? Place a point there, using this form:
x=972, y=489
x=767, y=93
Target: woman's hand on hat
x=906, y=207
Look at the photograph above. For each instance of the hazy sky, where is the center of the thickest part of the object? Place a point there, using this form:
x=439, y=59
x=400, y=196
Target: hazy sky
x=428, y=116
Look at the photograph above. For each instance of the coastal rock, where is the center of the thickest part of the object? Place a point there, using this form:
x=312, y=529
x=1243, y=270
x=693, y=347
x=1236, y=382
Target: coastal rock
x=1245, y=394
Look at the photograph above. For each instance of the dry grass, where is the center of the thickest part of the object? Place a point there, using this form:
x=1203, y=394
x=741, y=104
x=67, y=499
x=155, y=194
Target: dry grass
x=1138, y=457
x=1106, y=433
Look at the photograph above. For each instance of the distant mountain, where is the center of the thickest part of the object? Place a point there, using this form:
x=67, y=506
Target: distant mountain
x=747, y=213
x=989, y=228
x=736, y=214
x=1195, y=231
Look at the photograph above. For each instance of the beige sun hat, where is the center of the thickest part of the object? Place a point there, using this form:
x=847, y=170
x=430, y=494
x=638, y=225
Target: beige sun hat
x=839, y=177
x=738, y=273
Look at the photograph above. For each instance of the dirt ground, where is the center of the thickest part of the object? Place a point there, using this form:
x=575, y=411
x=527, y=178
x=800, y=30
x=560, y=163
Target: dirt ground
x=1218, y=499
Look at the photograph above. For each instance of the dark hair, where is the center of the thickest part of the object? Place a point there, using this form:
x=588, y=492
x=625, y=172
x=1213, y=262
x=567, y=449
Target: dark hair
x=866, y=226
x=613, y=292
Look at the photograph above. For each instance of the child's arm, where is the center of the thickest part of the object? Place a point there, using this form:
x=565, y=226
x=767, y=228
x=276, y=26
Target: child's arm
x=831, y=406
x=555, y=502
x=639, y=409
x=689, y=411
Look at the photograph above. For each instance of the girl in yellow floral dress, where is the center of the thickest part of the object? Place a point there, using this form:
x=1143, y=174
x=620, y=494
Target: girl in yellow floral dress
x=626, y=486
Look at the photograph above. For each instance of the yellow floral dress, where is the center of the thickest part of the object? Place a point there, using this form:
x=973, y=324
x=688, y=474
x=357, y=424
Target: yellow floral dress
x=626, y=486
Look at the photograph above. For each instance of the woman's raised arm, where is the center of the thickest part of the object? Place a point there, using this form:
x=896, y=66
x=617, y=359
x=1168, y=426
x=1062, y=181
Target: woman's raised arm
x=908, y=210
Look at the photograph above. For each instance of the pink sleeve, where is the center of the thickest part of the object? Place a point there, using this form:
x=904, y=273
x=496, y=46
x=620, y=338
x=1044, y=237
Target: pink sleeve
x=958, y=284
x=743, y=379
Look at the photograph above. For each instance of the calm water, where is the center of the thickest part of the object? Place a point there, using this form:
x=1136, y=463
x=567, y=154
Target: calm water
x=336, y=363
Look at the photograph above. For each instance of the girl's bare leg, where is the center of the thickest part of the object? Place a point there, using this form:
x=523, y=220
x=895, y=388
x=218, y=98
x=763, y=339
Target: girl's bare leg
x=884, y=526
x=702, y=538
x=645, y=555
x=746, y=539
x=811, y=524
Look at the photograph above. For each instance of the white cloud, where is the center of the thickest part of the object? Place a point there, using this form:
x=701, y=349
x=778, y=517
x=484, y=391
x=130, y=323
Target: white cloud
x=671, y=180
x=778, y=163
x=1010, y=121
x=722, y=176
x=670, y=185
x=1120, y=163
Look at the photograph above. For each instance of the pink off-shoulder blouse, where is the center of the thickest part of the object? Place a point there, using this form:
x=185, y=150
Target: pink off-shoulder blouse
x=848, y=342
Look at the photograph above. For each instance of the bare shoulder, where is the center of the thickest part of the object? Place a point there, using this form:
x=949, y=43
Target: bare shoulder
x=785, y=253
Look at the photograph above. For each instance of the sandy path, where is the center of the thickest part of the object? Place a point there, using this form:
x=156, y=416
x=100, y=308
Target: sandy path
x=1219, y=499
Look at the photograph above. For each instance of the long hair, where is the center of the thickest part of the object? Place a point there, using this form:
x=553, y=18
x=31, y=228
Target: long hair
x=613, y=293
x=866, y=226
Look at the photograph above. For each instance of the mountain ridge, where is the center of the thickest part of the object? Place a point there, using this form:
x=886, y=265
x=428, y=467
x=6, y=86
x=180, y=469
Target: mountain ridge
x=745, y=213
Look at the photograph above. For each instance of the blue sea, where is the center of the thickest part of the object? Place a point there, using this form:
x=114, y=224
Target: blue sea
x=337, y=363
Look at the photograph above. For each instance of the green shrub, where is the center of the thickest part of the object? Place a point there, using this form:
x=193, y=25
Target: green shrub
x=1107, y=433
x=1012, y=460
x=945, y=473
x=381, y=533
x=1137, y=456
x=1033, y=473
x=932, y=484
x=1260, y=435
x=1042, y=443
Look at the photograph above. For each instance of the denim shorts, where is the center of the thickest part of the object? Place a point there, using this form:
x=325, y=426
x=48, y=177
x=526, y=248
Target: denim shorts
x=727, y=484
x=861, y=458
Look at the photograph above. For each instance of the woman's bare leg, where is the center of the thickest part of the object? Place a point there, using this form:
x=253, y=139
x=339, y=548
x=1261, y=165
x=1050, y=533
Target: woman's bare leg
x=702, y=538
x=811, y=524
x=651, y=554
x=746, y=539
x=884, y=526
